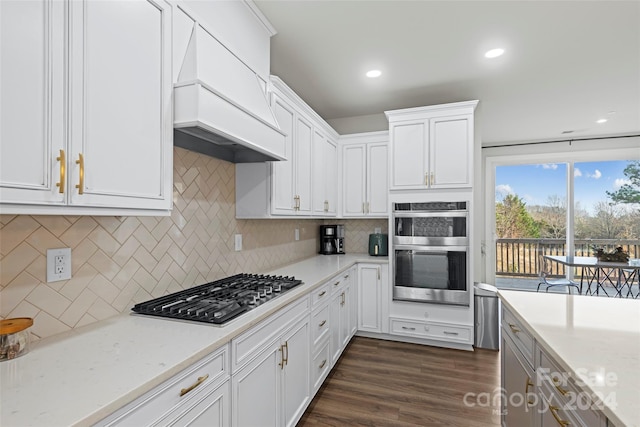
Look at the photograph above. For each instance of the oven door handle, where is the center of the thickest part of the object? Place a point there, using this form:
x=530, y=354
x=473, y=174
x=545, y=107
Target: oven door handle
x=430, y=214
x=431, y=249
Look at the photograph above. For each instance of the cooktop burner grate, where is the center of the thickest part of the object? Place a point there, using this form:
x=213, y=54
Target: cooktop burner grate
x=219, y=301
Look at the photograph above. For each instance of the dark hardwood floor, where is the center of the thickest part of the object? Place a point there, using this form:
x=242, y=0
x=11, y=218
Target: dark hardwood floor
x=386, y=383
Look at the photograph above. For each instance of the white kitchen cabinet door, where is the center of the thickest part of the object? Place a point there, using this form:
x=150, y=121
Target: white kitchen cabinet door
x=211, y=410
x=303, y=152
x=350, y=278
x=370, y=298
x=325, y=182
x=296, y=383
x=282, y=190
x=354, y=180
x=32, y=101
x=451, y=151
x=331, y=177
x=409, y=154
x=377, y=179
x=121, y=129
x=92, y=125
x=256, y=390
x=365, y=170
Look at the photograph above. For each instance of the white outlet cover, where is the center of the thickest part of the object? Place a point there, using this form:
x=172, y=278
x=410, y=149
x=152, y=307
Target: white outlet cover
x=61, y=271
x=377, y=230
x=238, y=241
x=296, y=234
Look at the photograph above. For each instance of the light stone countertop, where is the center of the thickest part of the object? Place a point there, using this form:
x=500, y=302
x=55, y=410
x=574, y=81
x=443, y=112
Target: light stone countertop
x=595, y=339
x=81, y=376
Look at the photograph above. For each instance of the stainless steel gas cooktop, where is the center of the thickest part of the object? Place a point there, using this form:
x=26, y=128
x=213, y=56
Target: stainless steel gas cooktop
x=220, y=301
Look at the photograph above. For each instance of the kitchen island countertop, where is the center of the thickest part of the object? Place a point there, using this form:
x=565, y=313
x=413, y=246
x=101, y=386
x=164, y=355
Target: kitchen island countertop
x=81, y=376
x=594, y=339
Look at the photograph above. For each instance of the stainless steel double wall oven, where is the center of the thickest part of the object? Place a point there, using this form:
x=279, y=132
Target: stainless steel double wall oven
x=430, y=252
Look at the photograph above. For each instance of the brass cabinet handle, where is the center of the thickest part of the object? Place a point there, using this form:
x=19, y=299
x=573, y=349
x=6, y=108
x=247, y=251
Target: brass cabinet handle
x=406, y=328
x=450, y=333
x=378, y=273
x=326, y=206
x=194, y=385
x=324, y=362
x=282, y=360
x=321, y=294
x=322, y=323
x=63, y=167
x=80, y=185
x=346, y=276
x=343, y=299
x=426, y=179
x=432, y=179
x=362, y=207
x=368, y=211
x=513, y=328
x=337, y=283
x=286, y=347
x=526, y=390
x=557, y=383
x=554, y=412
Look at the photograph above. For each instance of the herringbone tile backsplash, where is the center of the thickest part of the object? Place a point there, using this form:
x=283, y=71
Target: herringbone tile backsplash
x=118, y=261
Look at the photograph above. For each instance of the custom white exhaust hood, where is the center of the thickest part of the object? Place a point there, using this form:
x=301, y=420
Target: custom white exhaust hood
x=220, y=106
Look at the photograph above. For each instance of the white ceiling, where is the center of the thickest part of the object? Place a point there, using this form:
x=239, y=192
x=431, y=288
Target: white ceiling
x=566, y=64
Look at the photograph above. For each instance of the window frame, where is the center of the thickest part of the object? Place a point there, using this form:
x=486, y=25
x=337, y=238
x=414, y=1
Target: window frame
x=567, y=152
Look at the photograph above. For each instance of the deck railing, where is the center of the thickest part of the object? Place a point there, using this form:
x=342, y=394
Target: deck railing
x=519, y=257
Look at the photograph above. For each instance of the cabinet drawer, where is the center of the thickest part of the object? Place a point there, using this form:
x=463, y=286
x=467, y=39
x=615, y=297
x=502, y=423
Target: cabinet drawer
x=320, y=366
x=431, y=330
x=320, y=295
x=166, y=397
x=336, y=284
x=570, y=397
x=250, y=343
x=319, y=325
x=520, y=336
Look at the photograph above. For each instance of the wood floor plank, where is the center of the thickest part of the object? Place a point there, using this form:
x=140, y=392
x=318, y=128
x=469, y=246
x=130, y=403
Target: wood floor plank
x=387, y=383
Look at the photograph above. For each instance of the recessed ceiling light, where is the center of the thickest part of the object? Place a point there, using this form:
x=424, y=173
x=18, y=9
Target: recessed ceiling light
x=600, y=121
x=374, y=73
x=494, y=53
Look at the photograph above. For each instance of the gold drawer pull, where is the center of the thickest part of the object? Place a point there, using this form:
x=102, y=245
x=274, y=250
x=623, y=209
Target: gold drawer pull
x=196, y=384
x=63, y=164
x=514, y=329
x=554, y=412
x=406, y=328
x=558, y=383
x=324, y=362
x=450, y=333
x=321, y=294
x=322, y=323
x=80, y=185
x=337, y=283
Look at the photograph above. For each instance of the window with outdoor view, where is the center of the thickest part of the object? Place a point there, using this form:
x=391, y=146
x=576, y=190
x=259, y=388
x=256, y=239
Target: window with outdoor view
x=531, y=217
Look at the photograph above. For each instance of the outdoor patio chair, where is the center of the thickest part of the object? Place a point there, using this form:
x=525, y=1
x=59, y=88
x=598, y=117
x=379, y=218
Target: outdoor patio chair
x=544, y=271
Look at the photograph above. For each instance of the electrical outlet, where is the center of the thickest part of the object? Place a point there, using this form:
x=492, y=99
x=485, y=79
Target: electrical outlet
x=238, y=240
x=58, y=264
x=296, y=235
x=377, y=230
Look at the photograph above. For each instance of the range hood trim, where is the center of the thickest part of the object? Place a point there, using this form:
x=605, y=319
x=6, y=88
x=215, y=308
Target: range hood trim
x=221, y=95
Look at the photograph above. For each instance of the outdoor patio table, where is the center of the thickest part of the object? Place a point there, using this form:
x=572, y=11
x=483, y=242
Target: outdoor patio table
x=597, y=273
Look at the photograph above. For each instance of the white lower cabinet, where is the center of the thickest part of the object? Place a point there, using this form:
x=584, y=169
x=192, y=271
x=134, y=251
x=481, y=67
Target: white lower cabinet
x=199, y=395
x=370, y=296
x=273, y=388
x=340, y=315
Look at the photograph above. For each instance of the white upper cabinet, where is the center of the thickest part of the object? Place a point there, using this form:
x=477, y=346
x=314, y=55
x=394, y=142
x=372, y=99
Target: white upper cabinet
x=291, y=179
x=32, y=101
x=305, y=183
x=101, y=142
x=365, y=175
x=325, y=170
x=432, y=147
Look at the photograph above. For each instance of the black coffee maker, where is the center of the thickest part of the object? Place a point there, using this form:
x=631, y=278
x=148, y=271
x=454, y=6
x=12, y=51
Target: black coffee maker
x=331, y=239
